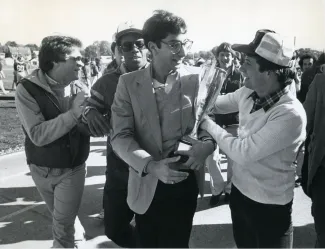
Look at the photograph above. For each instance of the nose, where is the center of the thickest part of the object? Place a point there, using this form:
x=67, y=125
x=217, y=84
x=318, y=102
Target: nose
x=80, y=63
x=182, y=52
x=135, y=49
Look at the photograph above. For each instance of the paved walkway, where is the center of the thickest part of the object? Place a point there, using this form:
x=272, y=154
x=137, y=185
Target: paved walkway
x=26, y=223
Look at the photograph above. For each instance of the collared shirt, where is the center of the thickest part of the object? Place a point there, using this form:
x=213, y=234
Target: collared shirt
x=266, y=102
x=168, y=103
x=169, y=99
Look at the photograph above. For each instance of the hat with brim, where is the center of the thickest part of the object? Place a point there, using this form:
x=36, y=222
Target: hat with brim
x=126, y=28
x=244, y=48
x=270, y=46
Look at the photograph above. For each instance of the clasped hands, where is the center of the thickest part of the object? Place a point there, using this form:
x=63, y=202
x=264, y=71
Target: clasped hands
x=197, y=155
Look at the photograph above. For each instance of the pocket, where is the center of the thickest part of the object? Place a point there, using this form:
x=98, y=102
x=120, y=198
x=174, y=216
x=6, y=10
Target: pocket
x=39, y=171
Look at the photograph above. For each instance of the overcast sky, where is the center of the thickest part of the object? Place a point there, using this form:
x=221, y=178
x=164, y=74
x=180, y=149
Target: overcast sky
x=210, y=22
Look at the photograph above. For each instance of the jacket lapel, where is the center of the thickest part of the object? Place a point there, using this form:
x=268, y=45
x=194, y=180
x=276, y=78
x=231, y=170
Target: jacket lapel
x=189, y=88
x=148, y=104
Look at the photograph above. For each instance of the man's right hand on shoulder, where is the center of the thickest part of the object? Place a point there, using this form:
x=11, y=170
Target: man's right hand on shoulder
x=164, y=173
x=97, y=123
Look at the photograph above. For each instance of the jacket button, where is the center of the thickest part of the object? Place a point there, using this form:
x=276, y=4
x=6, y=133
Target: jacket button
x=68, y=146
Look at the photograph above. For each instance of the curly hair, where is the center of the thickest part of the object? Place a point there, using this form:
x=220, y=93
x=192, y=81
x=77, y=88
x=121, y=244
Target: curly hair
x=306, y=56
x=225, y=47
x=160, y=25
x=54, y=49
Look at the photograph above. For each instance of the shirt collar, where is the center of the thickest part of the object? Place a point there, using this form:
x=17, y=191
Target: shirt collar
x=122, y=69
x=51, y=81
x=172, y=77
x=268, y=101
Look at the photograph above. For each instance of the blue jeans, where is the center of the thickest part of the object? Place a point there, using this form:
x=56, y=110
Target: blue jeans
x=258, y=225
x=62, y=190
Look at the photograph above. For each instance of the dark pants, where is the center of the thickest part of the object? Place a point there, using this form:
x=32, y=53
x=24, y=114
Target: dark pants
x=318, y=205
x=117, y=214
x=258, y=225
x=168, y=221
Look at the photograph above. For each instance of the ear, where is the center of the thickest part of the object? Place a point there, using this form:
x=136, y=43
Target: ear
x=270, y=74
x=153, y=48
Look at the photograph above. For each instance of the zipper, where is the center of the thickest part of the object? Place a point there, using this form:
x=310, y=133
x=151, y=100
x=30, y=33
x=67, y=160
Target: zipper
x=47, y=94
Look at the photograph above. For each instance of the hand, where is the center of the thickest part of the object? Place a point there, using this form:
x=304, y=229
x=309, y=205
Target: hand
x=197, y=154
x=81, y=87
x=162, y=171
x=76, y=107
x=97, y=123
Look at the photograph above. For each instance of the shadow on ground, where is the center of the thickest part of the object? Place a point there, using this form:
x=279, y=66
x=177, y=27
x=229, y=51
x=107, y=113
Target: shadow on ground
x=35, y=223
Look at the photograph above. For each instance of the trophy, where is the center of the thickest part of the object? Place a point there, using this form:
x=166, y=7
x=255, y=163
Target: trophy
x=209, y=89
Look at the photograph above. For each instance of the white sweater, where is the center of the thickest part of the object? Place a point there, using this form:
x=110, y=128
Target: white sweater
x=267, y=145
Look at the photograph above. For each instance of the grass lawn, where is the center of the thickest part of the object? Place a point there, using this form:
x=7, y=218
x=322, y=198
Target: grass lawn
x=8, y=70
x=11, y=134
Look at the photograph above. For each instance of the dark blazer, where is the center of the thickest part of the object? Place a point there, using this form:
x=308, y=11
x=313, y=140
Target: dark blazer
x=315, y=110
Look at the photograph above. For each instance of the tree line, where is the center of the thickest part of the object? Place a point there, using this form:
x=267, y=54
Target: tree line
x=103, y=48
x=95, y=50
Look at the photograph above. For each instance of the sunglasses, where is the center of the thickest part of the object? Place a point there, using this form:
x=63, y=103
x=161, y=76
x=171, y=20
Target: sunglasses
x=176, y=46
x=78, y=58
x=129, y=46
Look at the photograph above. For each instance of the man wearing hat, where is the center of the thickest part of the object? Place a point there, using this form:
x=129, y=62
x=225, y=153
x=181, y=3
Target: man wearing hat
x=97, y=114
x=272, y=125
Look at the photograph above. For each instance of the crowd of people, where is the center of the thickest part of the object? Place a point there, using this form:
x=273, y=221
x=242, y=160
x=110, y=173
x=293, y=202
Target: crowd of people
x=144, y=103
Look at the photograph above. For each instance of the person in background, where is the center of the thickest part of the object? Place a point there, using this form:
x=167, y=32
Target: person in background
x=85, y=74
x=94, y=72
x=314, y=174
x=98, y=63
x=20, y=70
x=2, y=76
x=237, y=60
x=309, y=73
x=307, y=61
x=56, y=142
x=225, y=56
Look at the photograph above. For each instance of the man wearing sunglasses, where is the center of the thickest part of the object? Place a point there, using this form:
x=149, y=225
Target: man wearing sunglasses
x=117, y=214
x=152, y=110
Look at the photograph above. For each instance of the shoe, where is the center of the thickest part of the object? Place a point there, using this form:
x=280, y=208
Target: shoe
x=298, y=182
x=101, y=215
x=214, y=200
x=227, y=198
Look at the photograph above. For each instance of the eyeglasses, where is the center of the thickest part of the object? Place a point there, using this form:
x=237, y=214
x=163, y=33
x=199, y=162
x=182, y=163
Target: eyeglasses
x=78, y=58
x=128, y=46
x=175, y=46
